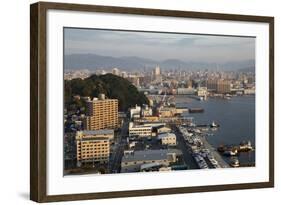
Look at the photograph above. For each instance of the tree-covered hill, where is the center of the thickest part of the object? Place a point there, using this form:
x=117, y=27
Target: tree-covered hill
x=114, y=87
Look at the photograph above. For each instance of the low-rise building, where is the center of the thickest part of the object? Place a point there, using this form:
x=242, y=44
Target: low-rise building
x=145, y=129
x=180, y=111
x=140, y=130
x=106, y=133
x=250, y=91
x=185, y=91
x=163, y=129
x=135, y=112
x=93, y=146
x=165, y=112
x=168, y=139
x=202, y=92
x=150, y=118
x=146, y=111
x=152, y=167
x=132, y=162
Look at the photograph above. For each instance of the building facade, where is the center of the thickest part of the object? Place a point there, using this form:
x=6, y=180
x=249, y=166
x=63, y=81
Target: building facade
x=140, y=130
x=212, y=84
x=133, y=161
x=185, y=91
x=223, y=86
x=135, y=112
x=146, y=111
x=101, y=114
x=168, y=139
x=92, y=147
x=166, y=112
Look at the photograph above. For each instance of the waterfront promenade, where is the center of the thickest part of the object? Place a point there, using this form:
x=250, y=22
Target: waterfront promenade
x=213, y=151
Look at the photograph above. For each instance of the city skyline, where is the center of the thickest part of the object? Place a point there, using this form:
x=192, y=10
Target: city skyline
x=132, y=114
x=159, y=46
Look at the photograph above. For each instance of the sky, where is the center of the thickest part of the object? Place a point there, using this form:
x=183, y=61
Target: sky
x=159, y=46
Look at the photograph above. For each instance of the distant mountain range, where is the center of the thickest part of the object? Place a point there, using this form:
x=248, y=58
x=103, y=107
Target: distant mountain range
x=130, y=63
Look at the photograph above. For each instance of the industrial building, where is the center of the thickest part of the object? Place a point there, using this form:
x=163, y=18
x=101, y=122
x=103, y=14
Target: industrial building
x=133, y=161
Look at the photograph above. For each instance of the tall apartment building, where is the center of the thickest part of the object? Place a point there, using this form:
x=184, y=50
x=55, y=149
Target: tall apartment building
x=157, y=73
x=219, y=85
x=102, y=114
x=189, y=83
x=93, y=146
x=212, y=84
x=223, y=86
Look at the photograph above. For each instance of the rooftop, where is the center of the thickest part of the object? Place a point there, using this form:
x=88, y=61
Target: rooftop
x=160, y=154
x=98, y=132
x=160, y=136
x=94, y=139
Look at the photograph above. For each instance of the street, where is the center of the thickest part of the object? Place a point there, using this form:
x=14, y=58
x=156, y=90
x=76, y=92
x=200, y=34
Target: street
x=186, y=150
x=117, y=154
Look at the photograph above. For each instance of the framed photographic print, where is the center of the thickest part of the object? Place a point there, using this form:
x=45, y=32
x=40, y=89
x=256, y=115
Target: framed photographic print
x=135, y=102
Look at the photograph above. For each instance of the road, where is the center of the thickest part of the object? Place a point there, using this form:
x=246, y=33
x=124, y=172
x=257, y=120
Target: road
x=119, y=150
x=186, y=150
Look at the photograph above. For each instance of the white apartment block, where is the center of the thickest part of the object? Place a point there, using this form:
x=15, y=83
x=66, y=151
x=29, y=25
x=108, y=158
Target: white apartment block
x=140, y=130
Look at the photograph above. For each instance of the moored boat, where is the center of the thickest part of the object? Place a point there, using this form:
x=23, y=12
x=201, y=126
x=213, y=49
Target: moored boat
x=213, y=125
x=232, y=152
x=235, y=162
x=245, y=146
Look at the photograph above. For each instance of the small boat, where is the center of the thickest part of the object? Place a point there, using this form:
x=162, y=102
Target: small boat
x=221, y=148
x=235, y=162
x=232, y=152
x=227, y=97
x=196, y=110
x=245, y=146
x=213, y=125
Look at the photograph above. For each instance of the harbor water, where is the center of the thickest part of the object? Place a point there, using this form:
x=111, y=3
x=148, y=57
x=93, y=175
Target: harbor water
x=236, y=117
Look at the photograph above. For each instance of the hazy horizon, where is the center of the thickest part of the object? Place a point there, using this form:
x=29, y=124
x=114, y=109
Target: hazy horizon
x=159, y=46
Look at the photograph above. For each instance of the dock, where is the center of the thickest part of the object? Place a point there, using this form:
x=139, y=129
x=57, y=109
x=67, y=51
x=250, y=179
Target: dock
x=202, y=151
x=216, y=155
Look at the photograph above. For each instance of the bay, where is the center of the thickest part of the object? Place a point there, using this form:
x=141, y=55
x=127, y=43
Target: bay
x=236, y=117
